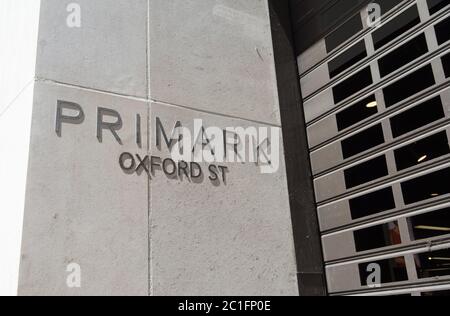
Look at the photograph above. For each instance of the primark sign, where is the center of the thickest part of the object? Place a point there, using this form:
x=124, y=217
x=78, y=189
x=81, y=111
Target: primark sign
x=196, y=152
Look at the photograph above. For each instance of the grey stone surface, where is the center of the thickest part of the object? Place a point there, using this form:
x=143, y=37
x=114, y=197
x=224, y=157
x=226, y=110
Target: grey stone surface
x=220, y=239
x=80, y=206
x=214, y=56
x=167, y=236
x=108, y=52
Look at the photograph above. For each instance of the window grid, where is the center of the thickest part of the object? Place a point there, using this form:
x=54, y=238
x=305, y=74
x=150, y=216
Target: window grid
x=391, y=221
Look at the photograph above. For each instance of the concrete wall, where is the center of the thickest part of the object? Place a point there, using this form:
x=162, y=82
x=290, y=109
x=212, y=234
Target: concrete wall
x=18, y=38
x=137, y=235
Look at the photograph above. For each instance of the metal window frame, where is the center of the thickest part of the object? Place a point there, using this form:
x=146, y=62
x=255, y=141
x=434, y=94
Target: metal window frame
x=328, y=164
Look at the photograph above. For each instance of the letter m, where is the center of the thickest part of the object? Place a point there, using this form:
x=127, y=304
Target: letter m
x=161, y=133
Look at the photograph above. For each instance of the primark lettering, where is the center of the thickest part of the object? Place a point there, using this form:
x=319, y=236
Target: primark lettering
x=187, y=150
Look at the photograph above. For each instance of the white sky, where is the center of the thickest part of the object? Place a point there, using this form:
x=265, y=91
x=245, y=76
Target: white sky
x=18, y=40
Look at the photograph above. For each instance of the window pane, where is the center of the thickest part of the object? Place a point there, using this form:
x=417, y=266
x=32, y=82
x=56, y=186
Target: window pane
x=437, y=5
x=343, y=33
x=366, y=172
x=387, y=5
x=409, y=86
x=446, y=64
x=392, y=270
x=356, y=113
x=429, y=225
x=417, y=117
x=347, y=59
x=396, y=27
x=362, y=141
x=436, y=293
x=433, y=264
x=351, y=85
x=403, y=55
x=442, y=31
x=372, y=203
x=377, y=237
x=427, y=187
x=422, y=151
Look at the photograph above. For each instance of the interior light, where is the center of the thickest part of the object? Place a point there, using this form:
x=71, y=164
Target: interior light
x=423, y=158
x=373, y=104
x=436, y=228
x=439, y=259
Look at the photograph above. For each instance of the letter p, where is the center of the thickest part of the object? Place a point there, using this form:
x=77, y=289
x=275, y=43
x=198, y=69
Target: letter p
x=62, y=117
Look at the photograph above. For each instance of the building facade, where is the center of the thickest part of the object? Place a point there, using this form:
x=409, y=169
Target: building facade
x=336, y=114
x=376, y=102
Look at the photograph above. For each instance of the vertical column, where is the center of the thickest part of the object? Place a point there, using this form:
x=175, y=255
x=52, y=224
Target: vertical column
x=310, y=263
x=85, y=227
x=94, y=227
x=213, y=61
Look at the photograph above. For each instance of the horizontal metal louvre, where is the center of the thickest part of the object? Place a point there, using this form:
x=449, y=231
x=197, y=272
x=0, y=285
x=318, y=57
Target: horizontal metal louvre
x=396, y=27
x=377, y=106
x=436, y=5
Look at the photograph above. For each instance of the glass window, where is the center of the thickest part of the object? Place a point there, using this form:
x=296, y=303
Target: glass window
x=429, y=225
x=396, y=27
x=437, y=5
x=392, y=270
x=446, y=64
x=403, y=55
x=426, y=187
x=372, y=203
x=344, y=33
x=387, y=5
x=357, y=113
x=353, y=84
x=421, y=115
x=442, y=31
x=366, y=172
x=433, y=264
x=422, y=151
x=347, y=59
x=436, y=293
x=409, y=86
x=379, y=236
x=362, y=141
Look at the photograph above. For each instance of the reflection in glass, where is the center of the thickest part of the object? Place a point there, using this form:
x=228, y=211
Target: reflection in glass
x=379, y=236
x=429, y=225
x=433, y=264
